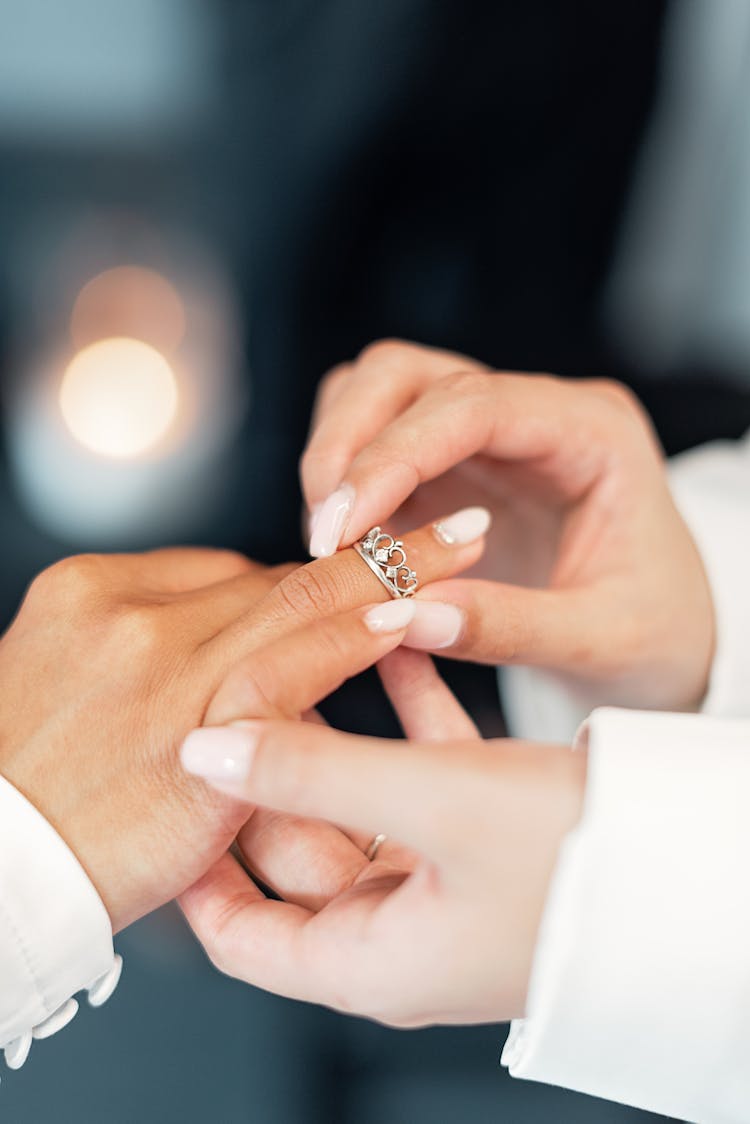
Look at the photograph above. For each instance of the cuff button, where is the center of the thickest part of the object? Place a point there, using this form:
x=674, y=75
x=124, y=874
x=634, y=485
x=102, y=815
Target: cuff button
x=100, y=991
x=17, y=1051
x=60, y=1018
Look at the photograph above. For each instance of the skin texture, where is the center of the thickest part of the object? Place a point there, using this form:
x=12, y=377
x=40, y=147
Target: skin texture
x=589, y=568
x=113, y=659
x=441, y=926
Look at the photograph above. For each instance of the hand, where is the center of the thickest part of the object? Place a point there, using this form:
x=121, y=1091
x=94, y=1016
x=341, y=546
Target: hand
x=109, y=663
x=441, y=932
x=592, y=571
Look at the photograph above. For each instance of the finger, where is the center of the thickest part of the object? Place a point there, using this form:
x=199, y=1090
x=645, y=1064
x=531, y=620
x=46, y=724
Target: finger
x=426, y=707
x=328, y=390
x=336, y=584
x=392, y=853
x=180, y=569
x=507, y=624
x=357, y=400
x=293, y=673
x=389, y=852
x=237, y=925
x=310, y=862
x=305, y=861
x=370, y=785
x=220, y=605
x=282, y=947
x=535, y=419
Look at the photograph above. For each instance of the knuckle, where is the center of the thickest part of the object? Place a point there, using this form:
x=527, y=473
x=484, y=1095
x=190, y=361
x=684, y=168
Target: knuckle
x=331, y=381
x=236, y=560
x=217, y=935
x=310, y=591
x=618, y=394
x=629, y=414
x=542, y=381
x=388, y=456
x=70, y=580
x=387, y=352
x=320, y=452
x=466, y=383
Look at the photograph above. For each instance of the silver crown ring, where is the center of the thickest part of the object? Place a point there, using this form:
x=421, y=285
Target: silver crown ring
x=386, y=558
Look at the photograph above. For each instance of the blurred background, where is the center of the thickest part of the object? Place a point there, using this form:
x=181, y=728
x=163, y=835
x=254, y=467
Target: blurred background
x=203, y=206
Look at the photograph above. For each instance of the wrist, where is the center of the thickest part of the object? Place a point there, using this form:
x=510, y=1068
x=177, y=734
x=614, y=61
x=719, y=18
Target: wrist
x=556, y=811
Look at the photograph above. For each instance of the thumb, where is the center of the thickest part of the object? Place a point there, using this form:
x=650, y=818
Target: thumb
x=365, y=784
x=507, y=624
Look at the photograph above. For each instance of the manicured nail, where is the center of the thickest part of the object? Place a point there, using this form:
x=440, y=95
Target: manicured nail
x=391, y=616
x=436, y=624
x=219, y=753
x=312, y=518
x=331, y=521
x=463, y=527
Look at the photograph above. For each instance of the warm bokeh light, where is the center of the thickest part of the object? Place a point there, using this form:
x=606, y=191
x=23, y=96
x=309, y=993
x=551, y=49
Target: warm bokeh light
x=129, y=301
x=119, y=397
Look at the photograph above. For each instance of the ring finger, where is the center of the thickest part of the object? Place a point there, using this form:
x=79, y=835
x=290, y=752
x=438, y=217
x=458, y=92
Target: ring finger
x=344, y=581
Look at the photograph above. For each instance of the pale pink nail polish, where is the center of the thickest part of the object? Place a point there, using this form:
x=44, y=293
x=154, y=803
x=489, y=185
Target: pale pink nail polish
x=312, y=518
x=219, y=753
x=391, y=616
x=463, y=527
x=330, y=522
x=435, y=625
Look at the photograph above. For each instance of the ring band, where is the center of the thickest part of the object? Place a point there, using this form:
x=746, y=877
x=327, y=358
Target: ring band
x=386, y=558
x=374, y=847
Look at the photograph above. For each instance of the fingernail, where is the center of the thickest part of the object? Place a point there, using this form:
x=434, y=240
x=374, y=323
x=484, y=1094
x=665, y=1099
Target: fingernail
x=463, y=527
x=331, y=521
x=312, y=518
x=219, y=753
x=436, y=624
x=391, y=616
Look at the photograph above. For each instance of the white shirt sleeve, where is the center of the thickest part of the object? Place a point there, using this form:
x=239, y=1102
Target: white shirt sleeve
x=55, y=934
x=711, y=487
x=640, y=988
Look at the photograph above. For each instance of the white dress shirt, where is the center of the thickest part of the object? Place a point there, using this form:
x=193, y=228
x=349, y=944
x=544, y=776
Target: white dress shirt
x=640, y=987
x=55, y=934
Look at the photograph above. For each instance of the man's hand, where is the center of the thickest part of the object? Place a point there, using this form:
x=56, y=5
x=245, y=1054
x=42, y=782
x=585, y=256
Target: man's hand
x=113, y=659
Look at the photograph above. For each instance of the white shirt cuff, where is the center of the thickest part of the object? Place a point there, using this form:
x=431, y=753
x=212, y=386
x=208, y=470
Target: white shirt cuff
x=711, y=487
x=640, y=988
x=55, y=934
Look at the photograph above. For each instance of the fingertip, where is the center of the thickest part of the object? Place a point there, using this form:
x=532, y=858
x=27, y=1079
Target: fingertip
x=221, y=755
x=331, y=522
x=468, y=525
x=390, y=616
x=312, y=517
x=435, y=625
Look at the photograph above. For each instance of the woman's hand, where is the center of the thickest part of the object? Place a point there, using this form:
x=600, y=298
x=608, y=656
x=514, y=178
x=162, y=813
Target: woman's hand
x=441, y=926
x=592, y=571
x=113, y=659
